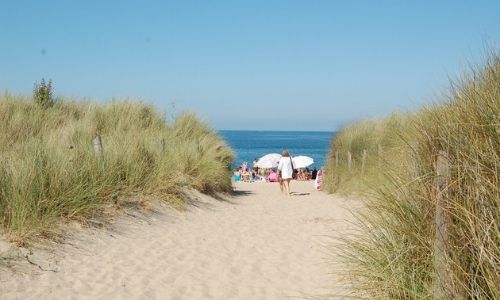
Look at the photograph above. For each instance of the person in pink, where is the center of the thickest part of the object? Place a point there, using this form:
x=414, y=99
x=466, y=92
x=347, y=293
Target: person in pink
x=318, y=182
x=244, y=166
x=273, y=176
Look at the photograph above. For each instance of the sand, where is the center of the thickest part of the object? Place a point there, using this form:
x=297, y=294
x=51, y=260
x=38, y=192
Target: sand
x=257, y=244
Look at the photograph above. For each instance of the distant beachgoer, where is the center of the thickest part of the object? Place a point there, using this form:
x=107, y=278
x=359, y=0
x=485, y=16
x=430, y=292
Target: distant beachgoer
x=244, y=166
x=318, y=182
x=237, y=174
x=254, y=166
x=285, y=166
x=303, y=174
x=273, y=176
x=246, y=176
x=314, y=173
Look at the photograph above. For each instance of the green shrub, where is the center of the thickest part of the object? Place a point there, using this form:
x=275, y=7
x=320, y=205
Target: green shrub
x=42, y=94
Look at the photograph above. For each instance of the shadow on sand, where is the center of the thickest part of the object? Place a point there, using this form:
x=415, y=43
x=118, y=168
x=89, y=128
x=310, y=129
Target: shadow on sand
x=241, y=193
x=299, y=194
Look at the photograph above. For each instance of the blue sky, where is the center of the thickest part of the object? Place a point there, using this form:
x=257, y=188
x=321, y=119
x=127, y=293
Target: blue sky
x=276, y=65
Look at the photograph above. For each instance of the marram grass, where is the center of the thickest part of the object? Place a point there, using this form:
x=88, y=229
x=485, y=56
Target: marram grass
x=393, y=254
x=49, y=171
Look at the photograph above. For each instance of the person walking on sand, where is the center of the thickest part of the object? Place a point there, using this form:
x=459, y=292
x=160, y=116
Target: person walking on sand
x=285, y=168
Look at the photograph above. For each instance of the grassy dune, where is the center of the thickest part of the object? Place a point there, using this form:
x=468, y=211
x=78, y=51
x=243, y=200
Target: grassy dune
x=50, y=173
x=397, y=253
x=382, y=140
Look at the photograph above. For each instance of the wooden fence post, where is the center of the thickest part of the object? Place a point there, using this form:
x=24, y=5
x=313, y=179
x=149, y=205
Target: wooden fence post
x=442, y=281
x=349, y=160
x=98, y=145
x=336, y=159
x=363, y=161
x=162, y=145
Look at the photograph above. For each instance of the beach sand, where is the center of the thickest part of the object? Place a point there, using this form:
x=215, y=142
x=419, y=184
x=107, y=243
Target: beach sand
x=257, y=244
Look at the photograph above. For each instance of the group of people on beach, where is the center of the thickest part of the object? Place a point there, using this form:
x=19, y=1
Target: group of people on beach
x=282, y=174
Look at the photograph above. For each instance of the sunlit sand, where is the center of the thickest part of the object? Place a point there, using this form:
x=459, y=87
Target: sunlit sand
x=257, y=244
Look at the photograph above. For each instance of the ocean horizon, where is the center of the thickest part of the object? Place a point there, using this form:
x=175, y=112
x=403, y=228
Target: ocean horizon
x=251, y=144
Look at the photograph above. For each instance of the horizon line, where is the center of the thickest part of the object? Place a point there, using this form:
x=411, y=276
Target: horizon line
x=278, y=130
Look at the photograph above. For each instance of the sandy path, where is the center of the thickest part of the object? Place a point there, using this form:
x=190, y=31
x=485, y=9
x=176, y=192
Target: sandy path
x=258, y=244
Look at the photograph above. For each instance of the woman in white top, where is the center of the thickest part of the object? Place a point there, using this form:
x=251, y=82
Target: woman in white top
x=285, y=167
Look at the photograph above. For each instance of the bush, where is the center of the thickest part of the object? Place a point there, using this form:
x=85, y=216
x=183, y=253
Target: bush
x=42, y=94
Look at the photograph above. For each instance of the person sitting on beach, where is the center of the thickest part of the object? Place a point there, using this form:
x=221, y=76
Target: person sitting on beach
x=254, y=166
x=264, y=173
x=307, y=174
x=314, y=173
x=247, y=176
x=301, y=175
x=297, y=174
x=237, y=174
x=273, y=176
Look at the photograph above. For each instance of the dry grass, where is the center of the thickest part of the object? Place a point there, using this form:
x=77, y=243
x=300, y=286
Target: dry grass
x=49, y=171
x=394, y=254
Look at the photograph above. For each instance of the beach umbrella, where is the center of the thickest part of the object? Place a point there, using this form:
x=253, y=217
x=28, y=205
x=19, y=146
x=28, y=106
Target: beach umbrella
x=269, y=161
x=302, y=161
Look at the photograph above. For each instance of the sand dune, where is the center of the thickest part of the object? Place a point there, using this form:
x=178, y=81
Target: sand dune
x=258, y=244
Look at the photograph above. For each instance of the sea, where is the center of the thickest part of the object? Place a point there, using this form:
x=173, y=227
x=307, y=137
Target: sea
x=249, y=145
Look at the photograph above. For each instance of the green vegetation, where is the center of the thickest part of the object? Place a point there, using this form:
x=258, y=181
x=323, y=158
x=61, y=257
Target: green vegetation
x=382, y=140
x=49, y=171
x=43, y=95
x=397, y=251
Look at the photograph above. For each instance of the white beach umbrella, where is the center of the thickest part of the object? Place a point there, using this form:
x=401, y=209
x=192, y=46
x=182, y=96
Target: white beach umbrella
x=302, y=161
x=269, y=160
